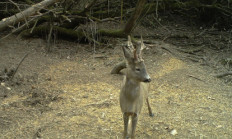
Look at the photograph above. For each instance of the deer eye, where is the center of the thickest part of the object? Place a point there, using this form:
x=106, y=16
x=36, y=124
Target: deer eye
x=137, y=69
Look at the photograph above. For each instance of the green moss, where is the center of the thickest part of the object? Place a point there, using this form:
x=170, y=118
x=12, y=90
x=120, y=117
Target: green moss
x=64, y=33
x=112, y=33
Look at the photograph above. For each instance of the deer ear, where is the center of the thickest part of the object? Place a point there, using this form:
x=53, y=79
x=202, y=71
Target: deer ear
x=127, y=54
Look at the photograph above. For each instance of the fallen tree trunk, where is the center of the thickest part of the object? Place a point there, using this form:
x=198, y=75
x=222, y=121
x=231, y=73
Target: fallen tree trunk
x=68, y=34
x=4, y=23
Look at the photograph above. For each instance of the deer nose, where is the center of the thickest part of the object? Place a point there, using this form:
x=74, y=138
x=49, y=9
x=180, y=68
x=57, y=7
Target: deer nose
x=147, y=80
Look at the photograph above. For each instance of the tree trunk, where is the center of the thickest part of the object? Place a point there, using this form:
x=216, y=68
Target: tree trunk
x=4, y=23
x=131, y=22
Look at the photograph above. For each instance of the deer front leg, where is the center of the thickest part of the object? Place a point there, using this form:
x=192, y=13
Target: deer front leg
x=149, y=108
x=125, y=119
x=134, y=124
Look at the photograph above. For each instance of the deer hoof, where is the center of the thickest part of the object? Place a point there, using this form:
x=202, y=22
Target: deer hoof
x=126, y=137
x=151, y=114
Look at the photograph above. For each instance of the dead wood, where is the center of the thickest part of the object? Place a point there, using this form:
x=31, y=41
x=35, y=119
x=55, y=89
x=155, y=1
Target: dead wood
x=112, y=33
x=11, y=78
x=69, y=34
x=4, y=23
x=221, y=75
x=136, y=14
x=95, y=11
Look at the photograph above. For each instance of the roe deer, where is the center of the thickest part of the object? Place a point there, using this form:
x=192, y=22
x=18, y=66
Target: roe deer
x=134, y=88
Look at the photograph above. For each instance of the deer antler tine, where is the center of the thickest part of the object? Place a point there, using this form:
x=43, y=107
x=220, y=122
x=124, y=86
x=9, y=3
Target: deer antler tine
x=130, y=44
x=142, y=44
x=135, y=55
x=138, y=53
x=129, y=38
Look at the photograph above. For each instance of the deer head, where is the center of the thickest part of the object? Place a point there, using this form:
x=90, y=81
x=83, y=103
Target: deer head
x=135, y=63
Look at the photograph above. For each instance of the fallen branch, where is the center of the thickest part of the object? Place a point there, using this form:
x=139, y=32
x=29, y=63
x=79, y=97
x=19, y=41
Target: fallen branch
x=4, y=23
x=69, y=34
x=19, y=10
x=11, y=78
x=223, y=74
x=195, y=78
x=25, y=25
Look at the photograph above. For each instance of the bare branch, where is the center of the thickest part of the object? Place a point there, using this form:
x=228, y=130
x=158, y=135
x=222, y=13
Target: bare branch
x=4, y=23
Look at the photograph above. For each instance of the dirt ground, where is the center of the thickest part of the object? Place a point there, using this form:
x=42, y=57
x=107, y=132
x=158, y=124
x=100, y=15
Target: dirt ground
x=70, y=93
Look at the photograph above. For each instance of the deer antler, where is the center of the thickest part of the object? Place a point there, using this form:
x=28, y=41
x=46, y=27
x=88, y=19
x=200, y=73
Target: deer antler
x=142, y=44
x=139, y=49
x=131, y=47
x=130, y=44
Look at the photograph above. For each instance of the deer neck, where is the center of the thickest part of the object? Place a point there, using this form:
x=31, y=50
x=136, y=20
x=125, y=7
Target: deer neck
x=132, y=88
x=132, y=82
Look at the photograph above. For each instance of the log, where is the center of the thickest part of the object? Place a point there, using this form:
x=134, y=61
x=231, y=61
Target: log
x=112, y=33
x=4, y=23
x=42, y=30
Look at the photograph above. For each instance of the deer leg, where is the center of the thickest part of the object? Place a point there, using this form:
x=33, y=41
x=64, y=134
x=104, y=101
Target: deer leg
x=126, y=120
x=149, y=108
x=134, y=123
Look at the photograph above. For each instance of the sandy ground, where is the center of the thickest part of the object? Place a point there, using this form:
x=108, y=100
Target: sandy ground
x=70, y=93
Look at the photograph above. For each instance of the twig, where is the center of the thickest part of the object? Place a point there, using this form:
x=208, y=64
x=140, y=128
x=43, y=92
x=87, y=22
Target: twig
x=18, y=66
x=34, y=26
x=89, y=6
x=191, y=51
x=121, y=11
x=140, y=19
x=49, y=36
x=106, y=101
x=201, y=33
x=196, y=78
x=156, y=8
x=92, y=19
x=223, y=74
x=16, y=30
x=167, y=49
x=20, y=11
x=23, y=26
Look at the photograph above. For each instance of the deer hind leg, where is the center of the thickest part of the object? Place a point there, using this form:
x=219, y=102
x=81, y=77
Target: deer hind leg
x=134, y=124
x=126, y=120
x=149, y=108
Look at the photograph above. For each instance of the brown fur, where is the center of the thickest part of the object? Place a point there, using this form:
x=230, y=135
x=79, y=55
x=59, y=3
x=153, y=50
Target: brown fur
x=134, y=90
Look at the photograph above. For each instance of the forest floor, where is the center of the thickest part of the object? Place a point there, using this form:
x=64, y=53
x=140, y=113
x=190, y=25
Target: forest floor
x=70, y=93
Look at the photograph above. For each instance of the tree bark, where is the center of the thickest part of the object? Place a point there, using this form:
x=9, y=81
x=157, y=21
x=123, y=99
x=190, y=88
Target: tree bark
x=131, y=22
x=4, y=23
